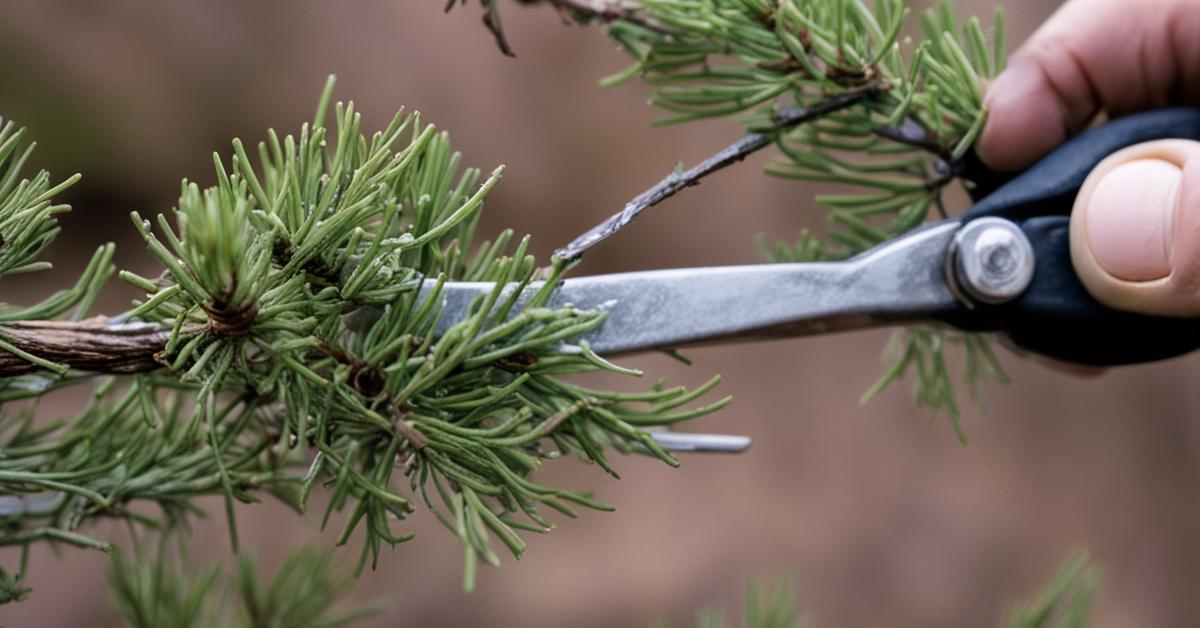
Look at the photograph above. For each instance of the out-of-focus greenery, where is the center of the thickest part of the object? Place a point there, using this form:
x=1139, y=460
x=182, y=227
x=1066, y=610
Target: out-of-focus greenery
x=171, y=589
x=1063, y=604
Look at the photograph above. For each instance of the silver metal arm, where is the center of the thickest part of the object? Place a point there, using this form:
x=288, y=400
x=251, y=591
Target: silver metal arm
x=898, y=282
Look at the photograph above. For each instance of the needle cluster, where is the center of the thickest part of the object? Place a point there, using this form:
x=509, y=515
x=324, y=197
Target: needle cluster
x=286, y=347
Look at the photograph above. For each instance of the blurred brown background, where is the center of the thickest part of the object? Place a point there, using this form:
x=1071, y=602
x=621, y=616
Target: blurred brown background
x=882, y=517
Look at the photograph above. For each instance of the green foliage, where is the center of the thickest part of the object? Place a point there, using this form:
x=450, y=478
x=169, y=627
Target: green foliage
x=28, y=224
x=158, y=591
x=297, y=351
x=1065, y=603
x=775, y=608
x=170, y=589
x=27, y=217
x=302, y=593
x=918, y=110
x=11, y=589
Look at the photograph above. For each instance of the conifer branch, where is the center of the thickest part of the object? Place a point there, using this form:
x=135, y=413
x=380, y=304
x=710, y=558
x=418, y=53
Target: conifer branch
x=247, y=368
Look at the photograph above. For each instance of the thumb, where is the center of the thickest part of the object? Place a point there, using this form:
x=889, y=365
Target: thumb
x=1135, y=229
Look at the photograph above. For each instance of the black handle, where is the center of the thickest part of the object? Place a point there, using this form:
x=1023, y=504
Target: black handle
x=1056, y=316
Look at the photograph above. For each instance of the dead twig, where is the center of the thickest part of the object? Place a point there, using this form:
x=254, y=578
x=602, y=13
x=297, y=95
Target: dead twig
x=739, y=150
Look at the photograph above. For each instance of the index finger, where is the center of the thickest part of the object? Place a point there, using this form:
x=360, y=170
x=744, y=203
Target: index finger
x=1093, y=56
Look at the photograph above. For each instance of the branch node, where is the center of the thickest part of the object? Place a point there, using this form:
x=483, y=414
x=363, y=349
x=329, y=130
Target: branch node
x=408, y=431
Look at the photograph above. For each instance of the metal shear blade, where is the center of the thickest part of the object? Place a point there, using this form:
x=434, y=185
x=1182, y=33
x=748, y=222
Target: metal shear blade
x=900, y=281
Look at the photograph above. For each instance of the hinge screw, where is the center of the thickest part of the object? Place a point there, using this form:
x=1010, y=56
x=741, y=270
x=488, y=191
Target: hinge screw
x=993, y=260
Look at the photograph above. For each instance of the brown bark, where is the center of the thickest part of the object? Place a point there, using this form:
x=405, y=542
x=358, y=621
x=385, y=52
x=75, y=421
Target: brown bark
x=90, y=345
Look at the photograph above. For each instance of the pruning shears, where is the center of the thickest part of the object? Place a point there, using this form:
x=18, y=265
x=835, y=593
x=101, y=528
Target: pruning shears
x=1003, y=267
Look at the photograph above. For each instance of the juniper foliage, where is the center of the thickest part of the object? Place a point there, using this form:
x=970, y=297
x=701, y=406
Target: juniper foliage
x=286, y=346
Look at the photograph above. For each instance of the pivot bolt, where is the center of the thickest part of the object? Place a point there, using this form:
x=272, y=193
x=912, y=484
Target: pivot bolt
x=993, y=260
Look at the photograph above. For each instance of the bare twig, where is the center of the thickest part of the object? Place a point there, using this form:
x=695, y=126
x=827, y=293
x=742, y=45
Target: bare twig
x=606, y=11
x=912, y=133
x=731, y=154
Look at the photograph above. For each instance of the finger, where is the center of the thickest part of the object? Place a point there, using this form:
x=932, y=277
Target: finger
x=1113, y=56
x=1135, y=229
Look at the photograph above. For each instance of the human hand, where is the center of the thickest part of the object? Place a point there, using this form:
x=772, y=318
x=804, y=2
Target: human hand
x=1135, y=229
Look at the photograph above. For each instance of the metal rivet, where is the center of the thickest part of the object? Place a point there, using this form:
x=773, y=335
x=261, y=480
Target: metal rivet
x=993, y=260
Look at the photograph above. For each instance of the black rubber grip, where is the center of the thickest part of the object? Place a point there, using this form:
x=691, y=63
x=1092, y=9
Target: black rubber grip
x=1056, y=316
